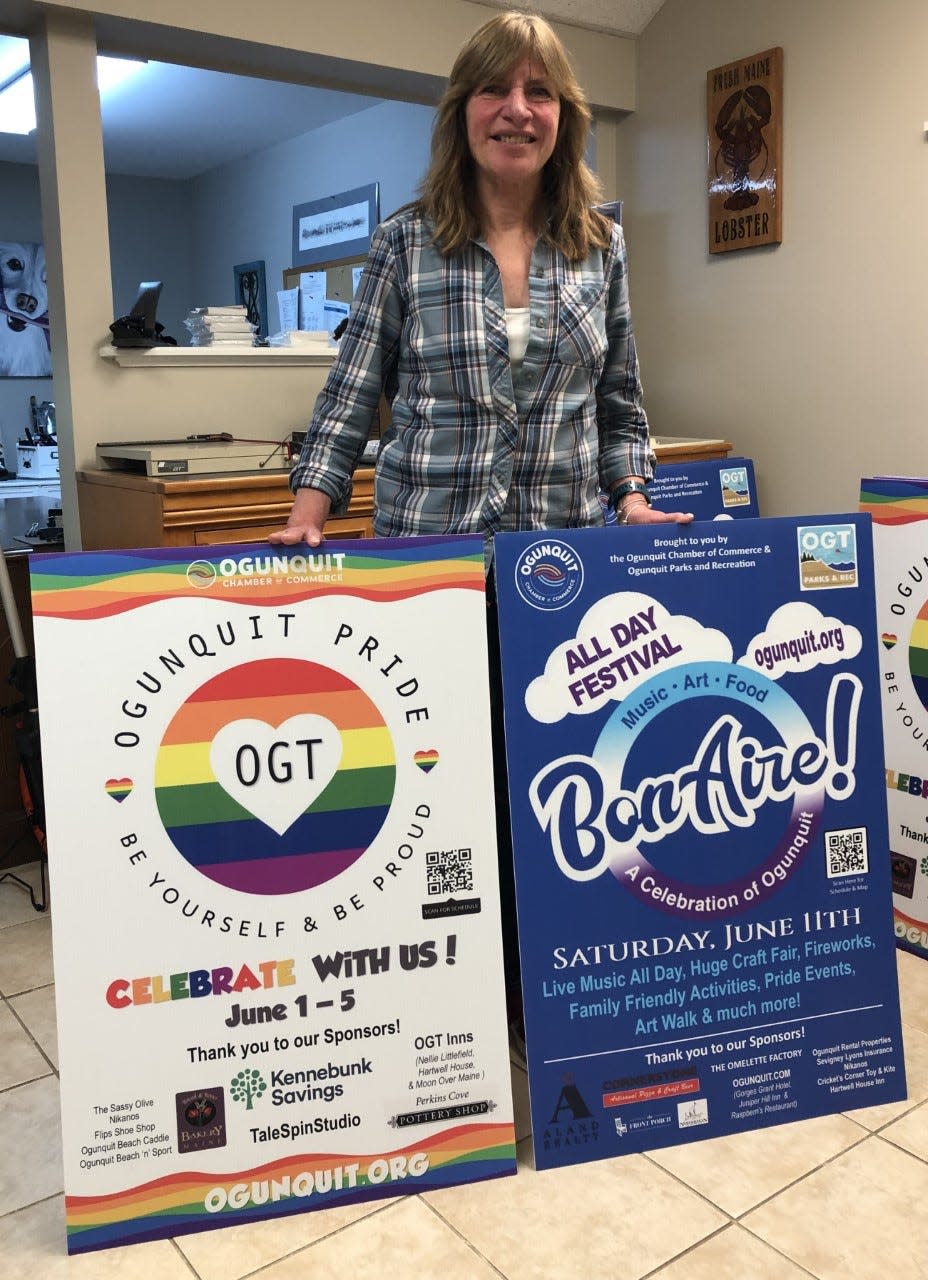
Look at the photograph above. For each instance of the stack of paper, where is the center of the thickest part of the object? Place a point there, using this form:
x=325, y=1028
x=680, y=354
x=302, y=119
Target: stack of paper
x=209, y=326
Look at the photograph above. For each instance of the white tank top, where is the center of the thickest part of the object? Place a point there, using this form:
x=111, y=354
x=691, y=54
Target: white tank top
x=517, y=331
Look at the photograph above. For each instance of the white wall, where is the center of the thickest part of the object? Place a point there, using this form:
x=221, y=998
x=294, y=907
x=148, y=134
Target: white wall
x=152, y=238
x=810, y=357
x=388, y=143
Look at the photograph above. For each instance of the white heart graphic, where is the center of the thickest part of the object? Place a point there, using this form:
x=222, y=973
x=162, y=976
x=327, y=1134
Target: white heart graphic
x=276, y=774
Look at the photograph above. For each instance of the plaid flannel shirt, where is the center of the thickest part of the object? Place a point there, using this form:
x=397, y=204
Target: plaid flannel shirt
x=471, y=448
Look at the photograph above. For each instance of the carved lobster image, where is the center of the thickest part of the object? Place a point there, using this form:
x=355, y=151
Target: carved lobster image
x=739, y=127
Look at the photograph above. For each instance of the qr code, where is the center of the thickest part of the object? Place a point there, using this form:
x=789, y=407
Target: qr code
x=846, y=852
x=449, y=871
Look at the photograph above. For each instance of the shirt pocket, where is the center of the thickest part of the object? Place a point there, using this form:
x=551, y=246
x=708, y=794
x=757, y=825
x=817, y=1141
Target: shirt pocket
x=581, y=339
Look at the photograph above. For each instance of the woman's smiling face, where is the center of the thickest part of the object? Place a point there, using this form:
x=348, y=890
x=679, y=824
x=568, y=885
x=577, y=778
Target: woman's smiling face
x=512, y=125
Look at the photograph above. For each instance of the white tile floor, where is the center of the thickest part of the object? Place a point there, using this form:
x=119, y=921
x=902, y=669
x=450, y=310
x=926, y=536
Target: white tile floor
x=840, y=1198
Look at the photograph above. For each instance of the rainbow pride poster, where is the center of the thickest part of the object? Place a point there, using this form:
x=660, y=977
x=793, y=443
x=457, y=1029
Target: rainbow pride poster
x=899, y=509
x=273, y=858
x=699, y=823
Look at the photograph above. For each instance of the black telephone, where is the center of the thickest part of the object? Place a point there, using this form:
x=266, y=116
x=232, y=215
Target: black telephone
x=140, y=328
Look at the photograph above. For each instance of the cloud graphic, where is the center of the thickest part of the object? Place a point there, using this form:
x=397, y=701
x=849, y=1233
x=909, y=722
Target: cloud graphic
x=620, y=643
x=799, y=638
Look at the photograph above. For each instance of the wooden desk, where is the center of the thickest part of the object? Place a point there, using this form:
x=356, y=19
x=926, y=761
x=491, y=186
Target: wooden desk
x=689, y=449
x=122, y=510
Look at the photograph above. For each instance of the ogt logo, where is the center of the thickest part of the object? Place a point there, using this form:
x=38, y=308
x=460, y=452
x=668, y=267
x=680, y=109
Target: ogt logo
x=734, y=484
x=827, y=556
x=819, y=540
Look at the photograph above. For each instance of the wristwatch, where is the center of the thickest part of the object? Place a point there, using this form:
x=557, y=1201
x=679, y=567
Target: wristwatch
x=624, y=489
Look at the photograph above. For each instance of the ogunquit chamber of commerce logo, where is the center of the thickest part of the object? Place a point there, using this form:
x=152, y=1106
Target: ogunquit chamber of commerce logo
x=549, y=574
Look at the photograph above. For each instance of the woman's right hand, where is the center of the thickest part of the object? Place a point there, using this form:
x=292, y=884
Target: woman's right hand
x=307, y=519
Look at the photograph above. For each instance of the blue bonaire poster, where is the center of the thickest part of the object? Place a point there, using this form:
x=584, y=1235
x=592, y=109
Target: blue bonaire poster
x=272, y=848
x=699, y=824
x=711, y=488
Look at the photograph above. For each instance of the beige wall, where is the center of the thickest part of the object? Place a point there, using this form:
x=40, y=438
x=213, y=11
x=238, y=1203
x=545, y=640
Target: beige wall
x=98, y=401
x=415, y=36
x=811, y=356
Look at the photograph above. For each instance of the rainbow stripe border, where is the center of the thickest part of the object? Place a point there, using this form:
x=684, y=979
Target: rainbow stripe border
x=174, y=1205
x=90, y=585
x=894, y=500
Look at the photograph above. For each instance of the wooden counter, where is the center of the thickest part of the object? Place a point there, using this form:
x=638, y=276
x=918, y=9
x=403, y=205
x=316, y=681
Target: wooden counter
x=118, y=509
x=689, y=449
x=122, y=510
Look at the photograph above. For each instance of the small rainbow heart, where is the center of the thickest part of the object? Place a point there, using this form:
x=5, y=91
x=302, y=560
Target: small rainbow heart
x=426, y=760
x=888, y=639
x=118, y=788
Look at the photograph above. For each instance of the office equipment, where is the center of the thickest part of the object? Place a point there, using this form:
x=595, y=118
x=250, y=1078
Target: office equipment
x=193, y=456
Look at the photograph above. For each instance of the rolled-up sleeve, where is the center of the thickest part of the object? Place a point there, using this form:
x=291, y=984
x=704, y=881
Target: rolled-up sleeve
x=624, y=444
x=346, y=405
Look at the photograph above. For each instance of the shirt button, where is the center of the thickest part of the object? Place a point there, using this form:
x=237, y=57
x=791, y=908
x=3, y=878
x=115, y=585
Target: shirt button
x=540, y=322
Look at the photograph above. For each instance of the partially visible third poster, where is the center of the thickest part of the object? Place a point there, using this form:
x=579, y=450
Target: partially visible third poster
x=699, y=823
x=899, y=508
x=272, y=847
x=711, y=488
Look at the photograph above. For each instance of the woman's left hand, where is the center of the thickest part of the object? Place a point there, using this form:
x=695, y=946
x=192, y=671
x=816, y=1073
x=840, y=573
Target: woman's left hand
x=641, y=513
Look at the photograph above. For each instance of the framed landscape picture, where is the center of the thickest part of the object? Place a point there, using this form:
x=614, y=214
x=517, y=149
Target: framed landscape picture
x=338, y=226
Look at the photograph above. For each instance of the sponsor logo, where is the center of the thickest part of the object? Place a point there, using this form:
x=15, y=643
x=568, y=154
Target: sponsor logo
x=201, y=1119
x=735, y=488
x=904, y=870
x=549, y=574
x=572, y=1124
x=201, y=574
x=247, y=1087
x=274, y=563
x=827, y=556
x=691, y=1114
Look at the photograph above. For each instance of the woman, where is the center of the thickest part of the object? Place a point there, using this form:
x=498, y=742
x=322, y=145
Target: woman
x=493, y=313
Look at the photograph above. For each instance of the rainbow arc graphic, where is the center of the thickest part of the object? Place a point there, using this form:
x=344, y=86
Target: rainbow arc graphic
x=219, y=836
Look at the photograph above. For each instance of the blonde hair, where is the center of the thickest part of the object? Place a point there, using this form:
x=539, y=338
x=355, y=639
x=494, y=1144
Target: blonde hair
x=448, y=194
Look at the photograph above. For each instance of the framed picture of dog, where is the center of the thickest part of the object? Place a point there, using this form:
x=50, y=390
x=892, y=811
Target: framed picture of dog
x=25, y=346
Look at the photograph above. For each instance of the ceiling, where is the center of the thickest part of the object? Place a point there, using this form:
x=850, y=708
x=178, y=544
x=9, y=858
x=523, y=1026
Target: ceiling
x=619, y=17
x=149, y=122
